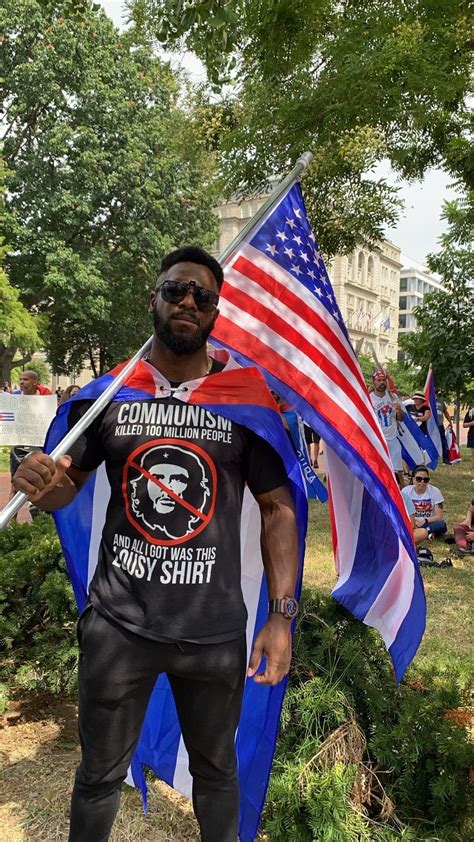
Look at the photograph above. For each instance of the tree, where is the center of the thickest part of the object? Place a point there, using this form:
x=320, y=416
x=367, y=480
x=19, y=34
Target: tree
x=105, y=177
x=445, y=337
x=354, y=82
x=18, y=328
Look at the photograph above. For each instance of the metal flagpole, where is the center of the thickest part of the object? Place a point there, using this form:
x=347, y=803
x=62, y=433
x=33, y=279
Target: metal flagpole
x=20, y=498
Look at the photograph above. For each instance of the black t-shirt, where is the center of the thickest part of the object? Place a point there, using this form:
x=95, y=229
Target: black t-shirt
x=418, y=413
x=169, y=559
x=469, y=416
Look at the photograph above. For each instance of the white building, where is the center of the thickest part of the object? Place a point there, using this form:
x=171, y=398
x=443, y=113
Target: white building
x=415, y=283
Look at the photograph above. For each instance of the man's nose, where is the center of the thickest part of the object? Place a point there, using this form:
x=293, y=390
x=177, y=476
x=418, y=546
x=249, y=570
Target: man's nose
x=189, y=299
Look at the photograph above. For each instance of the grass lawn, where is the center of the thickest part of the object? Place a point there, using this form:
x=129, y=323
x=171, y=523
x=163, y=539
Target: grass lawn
x=449, y=592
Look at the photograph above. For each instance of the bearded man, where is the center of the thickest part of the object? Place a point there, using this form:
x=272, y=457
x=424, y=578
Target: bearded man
x=147, y=613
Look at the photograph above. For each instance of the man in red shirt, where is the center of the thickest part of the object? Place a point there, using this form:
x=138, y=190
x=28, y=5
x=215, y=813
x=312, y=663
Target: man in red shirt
x=29, y=384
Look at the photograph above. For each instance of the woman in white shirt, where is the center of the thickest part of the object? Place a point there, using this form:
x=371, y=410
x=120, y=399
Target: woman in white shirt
x=428, y=502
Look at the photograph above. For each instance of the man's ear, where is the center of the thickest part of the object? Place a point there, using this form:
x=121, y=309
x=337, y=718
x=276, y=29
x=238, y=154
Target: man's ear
x=152, y=301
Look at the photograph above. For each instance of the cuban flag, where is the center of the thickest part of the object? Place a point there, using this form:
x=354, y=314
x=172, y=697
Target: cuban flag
x=243, y=397
x=412, y=440
x=278, y=311
x=436, y=448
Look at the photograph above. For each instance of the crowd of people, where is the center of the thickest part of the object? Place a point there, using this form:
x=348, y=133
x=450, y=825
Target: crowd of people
x=423, y=500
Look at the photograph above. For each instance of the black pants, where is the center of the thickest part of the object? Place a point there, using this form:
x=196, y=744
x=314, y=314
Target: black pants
x=117, y=672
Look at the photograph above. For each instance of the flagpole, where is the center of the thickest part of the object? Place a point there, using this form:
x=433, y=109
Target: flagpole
x=20, y=498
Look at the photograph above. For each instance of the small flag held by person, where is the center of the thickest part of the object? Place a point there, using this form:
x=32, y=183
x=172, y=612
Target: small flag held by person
x=278, y=311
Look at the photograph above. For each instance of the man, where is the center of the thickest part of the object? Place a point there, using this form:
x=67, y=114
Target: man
x=28, y=385
x=388, y=412
x=420, y=411
x=189, y=622
x=442, y=412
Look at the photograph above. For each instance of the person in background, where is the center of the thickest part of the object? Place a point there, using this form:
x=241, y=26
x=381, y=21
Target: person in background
x=29, y=384
x=464, y=533
x=7, y=387
x=312, y=440
x=442, y=411
x=468, y=424
x=30, y=387
x=428, y=502
x=388, y=413
x=420, y=411
x=420, y=533
x=68, y=392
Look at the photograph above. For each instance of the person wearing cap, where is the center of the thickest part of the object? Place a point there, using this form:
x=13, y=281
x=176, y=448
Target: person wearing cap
x=420, y=411
x=388, y=413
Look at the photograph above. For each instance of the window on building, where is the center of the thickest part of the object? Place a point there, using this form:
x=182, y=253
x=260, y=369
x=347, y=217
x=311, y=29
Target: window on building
x=403, y=284
x=402, y=320
x=361, y=267
x=350, y=300
x=370, y=271
x=403, y=302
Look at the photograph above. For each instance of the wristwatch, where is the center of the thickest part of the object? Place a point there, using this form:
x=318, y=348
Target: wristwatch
x=287, y=605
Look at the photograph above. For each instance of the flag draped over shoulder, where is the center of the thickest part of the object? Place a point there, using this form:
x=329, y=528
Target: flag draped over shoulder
x=433, y=434
x=242, y=397
x=278, y=311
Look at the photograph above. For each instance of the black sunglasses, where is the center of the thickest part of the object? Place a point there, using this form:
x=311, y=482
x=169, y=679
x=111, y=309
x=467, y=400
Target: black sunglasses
x=175, y=291
x=422, y=479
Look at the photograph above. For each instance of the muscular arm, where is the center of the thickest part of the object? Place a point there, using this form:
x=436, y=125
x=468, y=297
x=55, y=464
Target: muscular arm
x=49, y=485
x=280, y=559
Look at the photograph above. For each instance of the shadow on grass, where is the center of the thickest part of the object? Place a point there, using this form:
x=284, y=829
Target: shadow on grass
x=39, y=754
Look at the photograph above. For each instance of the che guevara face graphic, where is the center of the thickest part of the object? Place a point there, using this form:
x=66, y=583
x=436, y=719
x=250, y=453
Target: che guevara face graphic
x=170, y=489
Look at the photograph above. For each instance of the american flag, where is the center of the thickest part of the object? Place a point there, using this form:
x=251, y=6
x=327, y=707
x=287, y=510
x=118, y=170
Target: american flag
x=278, y=311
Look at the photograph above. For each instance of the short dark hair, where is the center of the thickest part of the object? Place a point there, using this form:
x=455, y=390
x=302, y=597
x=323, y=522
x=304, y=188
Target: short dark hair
x=193, y=254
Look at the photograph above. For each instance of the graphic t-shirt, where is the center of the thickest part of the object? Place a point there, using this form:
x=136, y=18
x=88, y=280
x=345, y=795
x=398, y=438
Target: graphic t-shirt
x=425, y=502
x=417, y=414
x=386, y=414
x=169, y=559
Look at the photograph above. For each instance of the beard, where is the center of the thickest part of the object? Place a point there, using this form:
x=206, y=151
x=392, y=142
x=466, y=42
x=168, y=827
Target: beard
x=180, y=344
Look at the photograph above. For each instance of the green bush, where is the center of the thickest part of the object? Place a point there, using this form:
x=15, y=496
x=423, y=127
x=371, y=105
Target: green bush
x=37, y=609
x=360, y=757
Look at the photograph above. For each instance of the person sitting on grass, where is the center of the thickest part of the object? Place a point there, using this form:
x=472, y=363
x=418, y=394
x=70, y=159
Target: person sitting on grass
x=420, y=533
x=464, y=533
x=428, y=502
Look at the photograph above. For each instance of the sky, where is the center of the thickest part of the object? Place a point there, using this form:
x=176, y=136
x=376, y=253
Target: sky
x=419, y=225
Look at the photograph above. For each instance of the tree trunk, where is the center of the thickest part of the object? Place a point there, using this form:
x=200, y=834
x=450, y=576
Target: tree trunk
x=7, y=362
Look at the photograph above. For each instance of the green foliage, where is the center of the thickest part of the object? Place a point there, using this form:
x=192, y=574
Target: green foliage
x=18, y=327
x=348, y=730
x=104, y=177
x=353, y=82
x=37, y=609
x=445, y=337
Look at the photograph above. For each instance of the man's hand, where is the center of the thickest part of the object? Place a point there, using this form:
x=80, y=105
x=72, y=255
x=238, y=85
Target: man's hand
x=470, y=536
x=38, y=474
x=420, y=521
x=274, y=643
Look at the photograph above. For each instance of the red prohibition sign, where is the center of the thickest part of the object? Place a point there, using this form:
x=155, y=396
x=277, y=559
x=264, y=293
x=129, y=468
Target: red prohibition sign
x=132, y=463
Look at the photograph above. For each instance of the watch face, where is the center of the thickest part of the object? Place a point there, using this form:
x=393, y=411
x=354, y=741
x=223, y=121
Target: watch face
x=291, y=607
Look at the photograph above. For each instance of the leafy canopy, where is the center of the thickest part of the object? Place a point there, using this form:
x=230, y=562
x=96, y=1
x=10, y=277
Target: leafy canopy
x=445, y=336
x=105, y=177
x=354, y=82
